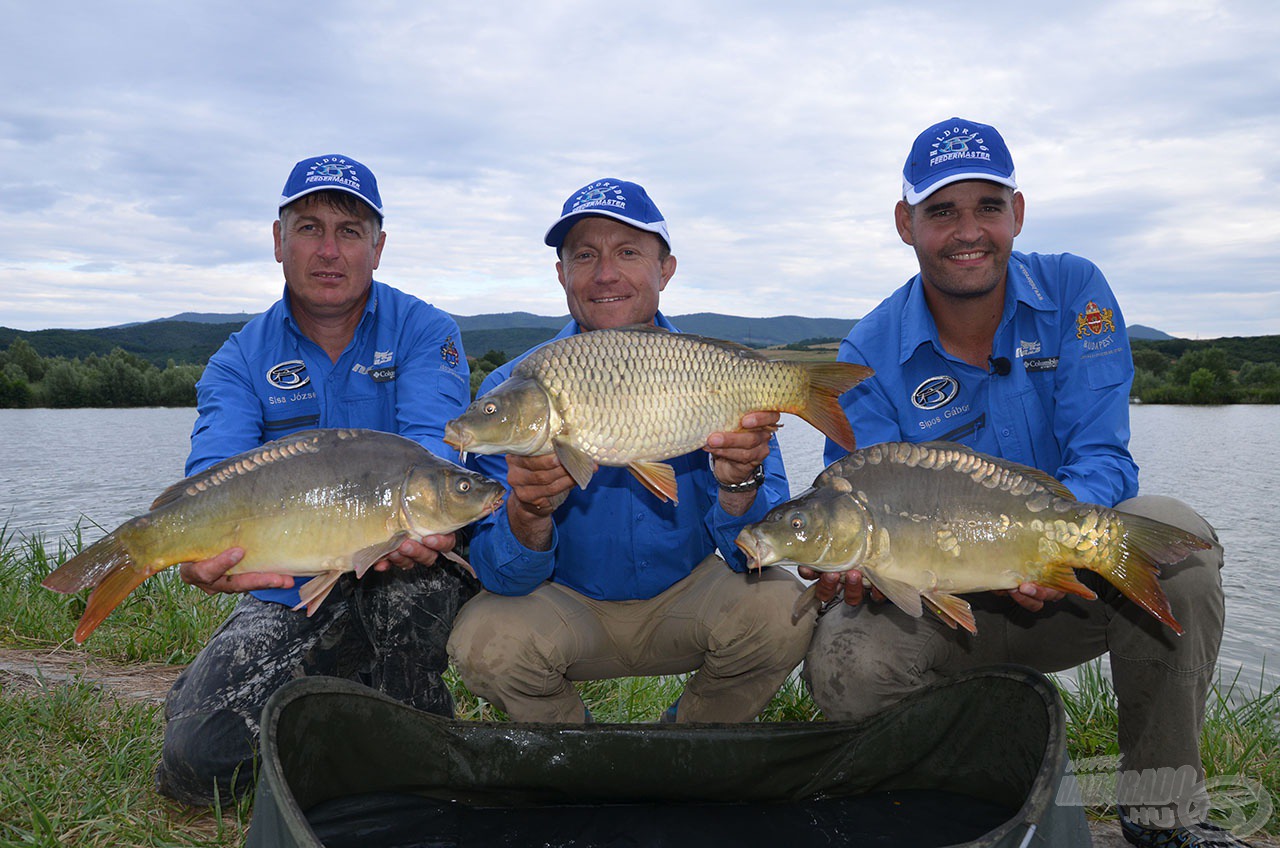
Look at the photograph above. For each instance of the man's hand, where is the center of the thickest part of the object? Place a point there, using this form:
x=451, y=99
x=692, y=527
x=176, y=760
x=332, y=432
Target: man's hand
x=210, y=575
x=539, y=484
x=413, y=553
x=1032, y=596
x=737, y=454
x=830, y=582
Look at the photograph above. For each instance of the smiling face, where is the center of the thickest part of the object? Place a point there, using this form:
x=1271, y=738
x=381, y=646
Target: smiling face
x=963, y=234
x=612, y=274
x=329, y=251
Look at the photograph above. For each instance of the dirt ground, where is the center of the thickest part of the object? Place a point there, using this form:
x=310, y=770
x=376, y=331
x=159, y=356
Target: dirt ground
x=30, y=671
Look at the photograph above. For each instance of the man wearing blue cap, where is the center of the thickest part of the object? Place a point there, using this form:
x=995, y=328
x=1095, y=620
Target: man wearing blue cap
x=1022, y=356
x=339, y=349
x=608, y=581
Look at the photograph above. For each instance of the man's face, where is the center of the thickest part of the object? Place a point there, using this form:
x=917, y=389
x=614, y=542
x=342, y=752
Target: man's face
x=963, y=234
x=612, y=273
x=329, y=256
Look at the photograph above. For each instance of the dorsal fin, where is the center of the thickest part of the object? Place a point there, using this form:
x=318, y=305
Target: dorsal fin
x=304, y=441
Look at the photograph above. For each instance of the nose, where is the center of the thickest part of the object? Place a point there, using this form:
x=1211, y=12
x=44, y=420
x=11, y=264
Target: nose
x=607, y=270
x=967, y=227
x=329, y=247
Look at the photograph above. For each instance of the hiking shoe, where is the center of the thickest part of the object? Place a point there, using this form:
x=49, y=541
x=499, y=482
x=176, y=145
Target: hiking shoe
x=1200, y=835
x=669, y=714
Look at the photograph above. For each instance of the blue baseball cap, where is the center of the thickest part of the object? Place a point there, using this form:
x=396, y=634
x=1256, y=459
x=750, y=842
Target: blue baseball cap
x=952, y=151
x=609, y=198
x=334, y=172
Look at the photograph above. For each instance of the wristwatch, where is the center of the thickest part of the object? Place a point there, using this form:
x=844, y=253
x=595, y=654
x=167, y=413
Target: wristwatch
x=755, y=481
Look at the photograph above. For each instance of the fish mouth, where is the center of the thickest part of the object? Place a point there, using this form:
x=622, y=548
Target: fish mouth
x=456, y=438
x=759, y=553
x=496, y=501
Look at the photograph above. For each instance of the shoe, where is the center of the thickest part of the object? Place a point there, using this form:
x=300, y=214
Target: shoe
x=1200, y=835
x=669, y=714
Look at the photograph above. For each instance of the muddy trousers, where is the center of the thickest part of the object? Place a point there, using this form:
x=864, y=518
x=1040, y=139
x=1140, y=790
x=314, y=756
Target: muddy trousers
x=387, y=630
x=522, y=653
x=864, y=659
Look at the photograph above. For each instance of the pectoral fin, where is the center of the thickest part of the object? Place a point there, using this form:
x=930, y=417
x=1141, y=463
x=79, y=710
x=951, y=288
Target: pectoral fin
x=577, y=463
x=466, y=566
x=905, y=596
x=363, y=559
x=657, y=477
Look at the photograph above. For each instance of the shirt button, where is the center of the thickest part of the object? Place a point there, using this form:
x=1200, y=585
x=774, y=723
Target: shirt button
x=639, y=516
x=1006, y=432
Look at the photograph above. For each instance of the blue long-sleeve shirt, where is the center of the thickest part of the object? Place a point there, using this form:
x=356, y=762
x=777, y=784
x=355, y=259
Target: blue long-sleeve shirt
x=403, y=372
x=1063, y=406
x=616, y=540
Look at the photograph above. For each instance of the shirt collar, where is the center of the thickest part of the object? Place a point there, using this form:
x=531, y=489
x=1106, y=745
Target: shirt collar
x=572, y=328
x=918, y=326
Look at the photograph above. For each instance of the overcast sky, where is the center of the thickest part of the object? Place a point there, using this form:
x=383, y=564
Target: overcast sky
x=144, y=145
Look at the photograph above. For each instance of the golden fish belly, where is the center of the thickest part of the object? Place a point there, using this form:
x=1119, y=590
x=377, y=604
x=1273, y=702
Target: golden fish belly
x=1002, y=551
x=279, y=540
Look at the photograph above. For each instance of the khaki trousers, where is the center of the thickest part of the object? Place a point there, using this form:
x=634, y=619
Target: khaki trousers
x=735, y=630
x=866, y=658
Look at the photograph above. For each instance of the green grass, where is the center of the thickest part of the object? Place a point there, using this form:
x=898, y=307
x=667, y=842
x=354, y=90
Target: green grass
x=76, y=764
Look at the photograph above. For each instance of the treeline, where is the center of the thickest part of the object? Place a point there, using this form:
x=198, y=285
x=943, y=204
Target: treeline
x=120, y=379
x=1203, y=375
x=1236, y=370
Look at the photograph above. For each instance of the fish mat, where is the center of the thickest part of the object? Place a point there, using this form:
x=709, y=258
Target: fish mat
x=921, y=818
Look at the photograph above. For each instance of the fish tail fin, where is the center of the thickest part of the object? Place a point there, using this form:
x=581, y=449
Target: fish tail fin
x=1059, y=574
x=113, y=588
x=1147, y=545
x=108, y=568
x=89, y=567
x=953, y=610
x=827, y=381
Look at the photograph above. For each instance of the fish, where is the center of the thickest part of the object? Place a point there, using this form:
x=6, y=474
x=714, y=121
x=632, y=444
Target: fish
x=926, y=522
x=317, y=503
x=634, y=396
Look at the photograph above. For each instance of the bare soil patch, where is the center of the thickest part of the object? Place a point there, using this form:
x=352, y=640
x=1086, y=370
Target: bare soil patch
x=34, y=670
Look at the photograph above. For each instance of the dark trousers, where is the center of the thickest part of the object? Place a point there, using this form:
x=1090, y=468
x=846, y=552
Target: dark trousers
x=387, y=630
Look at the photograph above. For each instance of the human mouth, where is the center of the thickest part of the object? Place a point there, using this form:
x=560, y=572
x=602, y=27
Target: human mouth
x=607, y=299
x=967, y=257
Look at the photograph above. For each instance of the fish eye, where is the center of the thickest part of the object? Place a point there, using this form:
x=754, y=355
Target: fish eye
x=464, y=486
x=797, y=521
x=489, y=408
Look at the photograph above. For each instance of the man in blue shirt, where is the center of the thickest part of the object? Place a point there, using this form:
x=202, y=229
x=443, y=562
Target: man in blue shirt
x=1022, y=356
x=609, y=581
x=339, y=349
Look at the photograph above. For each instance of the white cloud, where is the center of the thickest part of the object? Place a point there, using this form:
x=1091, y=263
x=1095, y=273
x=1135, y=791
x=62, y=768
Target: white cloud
x=146, y=143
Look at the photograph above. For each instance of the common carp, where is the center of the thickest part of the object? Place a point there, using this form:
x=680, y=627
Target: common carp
x=316, y=503
x=935, y=519
x=637, y=395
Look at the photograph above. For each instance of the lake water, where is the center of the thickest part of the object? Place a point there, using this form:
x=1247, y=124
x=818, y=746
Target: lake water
x=99, y=467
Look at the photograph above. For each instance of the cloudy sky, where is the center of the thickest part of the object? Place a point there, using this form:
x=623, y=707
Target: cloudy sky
x=144, y=145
